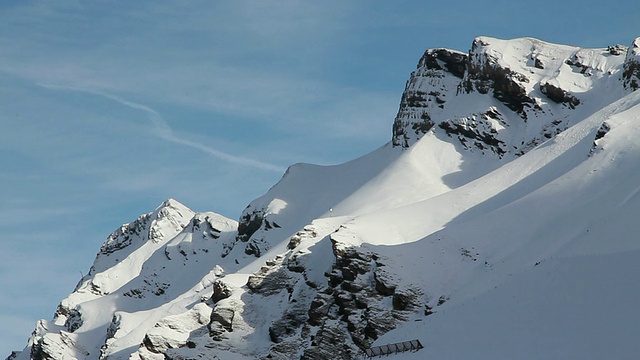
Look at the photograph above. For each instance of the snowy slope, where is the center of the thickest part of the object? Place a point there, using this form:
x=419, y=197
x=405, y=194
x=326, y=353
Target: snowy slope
x=143, y=271
x=567, y=308
x=499, y=222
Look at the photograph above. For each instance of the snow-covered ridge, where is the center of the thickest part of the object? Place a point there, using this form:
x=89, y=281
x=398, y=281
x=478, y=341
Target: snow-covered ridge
x=141, y=271
x=512, y=167
x=507, y=96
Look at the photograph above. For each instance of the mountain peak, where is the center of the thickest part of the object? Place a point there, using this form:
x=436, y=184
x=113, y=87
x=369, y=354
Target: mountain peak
x=504, y=97
x=168, y=219
x=171, y=202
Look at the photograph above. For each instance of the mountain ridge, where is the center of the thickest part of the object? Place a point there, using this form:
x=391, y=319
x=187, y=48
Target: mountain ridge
x=334, y=259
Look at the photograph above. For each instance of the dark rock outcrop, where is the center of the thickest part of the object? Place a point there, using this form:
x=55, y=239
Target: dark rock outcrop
x=73, y=317
x=223, y=316
x=484, y=74
x=482, y=98
x=602, y=131
x=358, y=303
x=249, y=223
x=476, y=130
x=559, y=96
x=220, y=291
x=252, y=228
x=631, y=73
x=444, y=59
x=414, y=113
x=124, y=236
x=270, y=280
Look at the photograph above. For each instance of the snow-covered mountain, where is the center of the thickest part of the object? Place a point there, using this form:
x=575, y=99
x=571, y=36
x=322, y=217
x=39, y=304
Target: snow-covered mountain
x=499, y=222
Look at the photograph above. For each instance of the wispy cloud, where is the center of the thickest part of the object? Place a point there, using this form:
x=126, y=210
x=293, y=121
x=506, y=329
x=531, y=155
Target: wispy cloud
x=269, y=63
x=163, y=130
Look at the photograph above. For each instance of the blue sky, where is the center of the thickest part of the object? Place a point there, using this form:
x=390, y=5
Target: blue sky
x=108, y=108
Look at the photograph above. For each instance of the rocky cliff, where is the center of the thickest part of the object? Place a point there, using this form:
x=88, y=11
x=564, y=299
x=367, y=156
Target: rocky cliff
x=506, y=97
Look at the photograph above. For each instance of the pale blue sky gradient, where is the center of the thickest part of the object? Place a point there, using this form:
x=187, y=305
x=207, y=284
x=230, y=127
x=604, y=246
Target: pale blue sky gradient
x=108, y=108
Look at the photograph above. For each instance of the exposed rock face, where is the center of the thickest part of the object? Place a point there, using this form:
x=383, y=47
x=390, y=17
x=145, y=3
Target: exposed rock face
x=486, y=74
x=484, y=97
x=477, y=131
x=444, y=59
x=122, y=237
x=270, y=280
x=220, y=291
x=253, y=225
x=631, y=74
x=174, y=331
x=357, y=303
x=249, y=224
x=426, y=91
x=602, y=131
x=558, y=95
x=222, y=316
x=74, y=320
x=318, y=319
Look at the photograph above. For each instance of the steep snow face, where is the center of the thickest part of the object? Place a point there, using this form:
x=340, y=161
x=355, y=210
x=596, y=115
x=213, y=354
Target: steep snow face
x=496, y=227
x=386, y=178
x=496, y=102
x=506, y=96
x=546, y=268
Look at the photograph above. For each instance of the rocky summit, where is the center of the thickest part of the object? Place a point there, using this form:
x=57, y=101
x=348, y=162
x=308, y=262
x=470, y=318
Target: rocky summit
x=498, y=222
